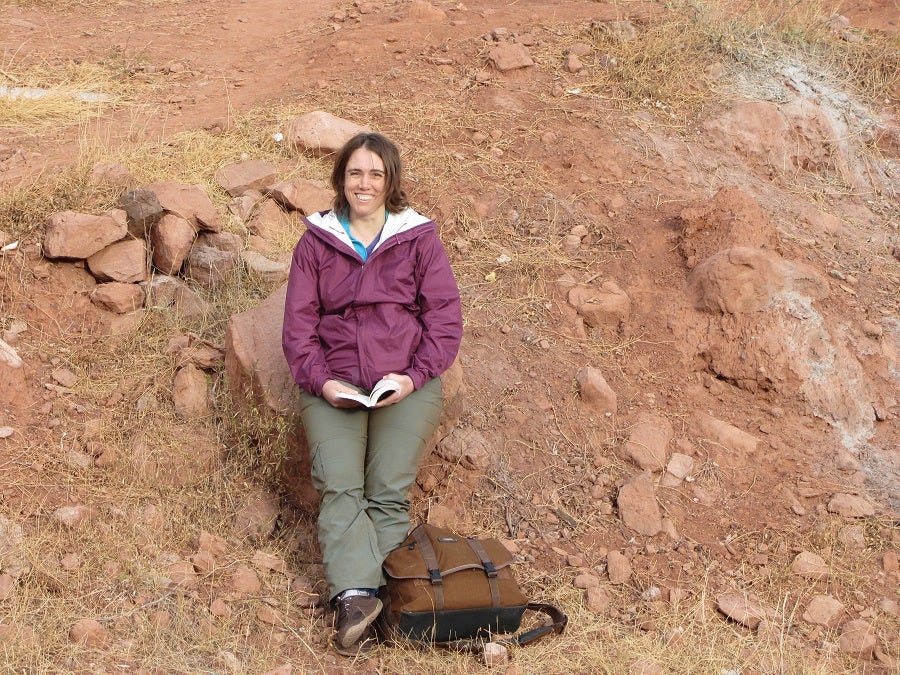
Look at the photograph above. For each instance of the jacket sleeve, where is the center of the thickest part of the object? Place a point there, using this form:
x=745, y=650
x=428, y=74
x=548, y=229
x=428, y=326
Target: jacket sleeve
x=299, y=337
x=441, y=313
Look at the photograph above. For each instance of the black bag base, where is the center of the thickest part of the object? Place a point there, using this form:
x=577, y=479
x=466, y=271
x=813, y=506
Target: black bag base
x=460, y=624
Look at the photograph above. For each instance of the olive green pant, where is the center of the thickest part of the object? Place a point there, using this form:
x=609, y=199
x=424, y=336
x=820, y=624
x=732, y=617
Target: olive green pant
x=364, y=462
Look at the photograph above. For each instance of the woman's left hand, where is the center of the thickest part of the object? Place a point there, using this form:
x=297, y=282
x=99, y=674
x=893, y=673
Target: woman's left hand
x=406, y=388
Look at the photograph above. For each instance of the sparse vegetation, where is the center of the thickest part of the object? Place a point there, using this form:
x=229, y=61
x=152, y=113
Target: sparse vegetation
x=505, y=212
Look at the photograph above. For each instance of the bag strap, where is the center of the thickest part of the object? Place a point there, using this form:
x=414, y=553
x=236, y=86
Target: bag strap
x=489, y=569
x=559, y=620
x=426, y=550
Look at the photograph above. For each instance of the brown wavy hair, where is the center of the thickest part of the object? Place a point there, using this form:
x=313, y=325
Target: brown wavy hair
x=395, y=197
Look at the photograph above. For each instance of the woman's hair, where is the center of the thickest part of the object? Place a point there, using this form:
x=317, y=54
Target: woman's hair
x=395, y=197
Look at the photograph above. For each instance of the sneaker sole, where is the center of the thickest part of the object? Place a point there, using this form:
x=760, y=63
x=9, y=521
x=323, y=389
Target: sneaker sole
x=355, y=632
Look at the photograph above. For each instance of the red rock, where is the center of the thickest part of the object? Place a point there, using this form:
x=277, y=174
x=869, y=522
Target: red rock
x=302, y=195
x=596, y=599
x=189, y=392
x=7, y=587
x=211, y=543
x=244, y=582
x=823, y=610
x=320, y=132
x=189, y=202
x=595, y=392
x=238, y=178
x=584, y=581
x=618, y=567
x=170, y=241
x=510, y=56
x=79, y=235
x=809, y=566
x=648, y=443
x=850, y=506
x=745, y=609
x=607, y=306
x=637, y=505
x=89, y=632
x=124, y=261
x=118, y=297
x=858, y=638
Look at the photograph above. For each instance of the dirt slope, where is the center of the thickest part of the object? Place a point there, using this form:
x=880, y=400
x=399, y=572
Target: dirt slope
x=773, y=368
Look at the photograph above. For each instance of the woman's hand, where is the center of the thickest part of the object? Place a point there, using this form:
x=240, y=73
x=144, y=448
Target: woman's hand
x=332, y=388
x=406, y=388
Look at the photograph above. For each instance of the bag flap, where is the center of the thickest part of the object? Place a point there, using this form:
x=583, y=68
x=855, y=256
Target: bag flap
x=452, y=551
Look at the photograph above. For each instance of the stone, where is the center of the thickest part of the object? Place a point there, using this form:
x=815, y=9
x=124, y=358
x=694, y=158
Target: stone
x=182, y=574
x=80, y=235
x=269, y=562
x=852, y=536
x=240, y=177
x=823, y=610
x=509, y=56
x=118, y=297
x=889, y=562
x=744, y=609
x=124, y=261
x=302, y=195
x=211, y=543
x=143, y=211
x=495, y=654
x=584, y=581
x=209, y=265
x=596, y=599
x=618, y=566
x=607, y=306
x=13, y=560
x=680, y=466
x=256, y=517
x=572, y=64
x=245, y=582
x=467, y=447
x=170, y=242
x=273, y=223
x=189, y=392
x=744, y=280
x=638, y=507
x=271, y=271
x=858, y=638
x=648, y=443
x=645, y=667
x=595, y=392
x=220, y=608
x=73, y=517
x=320, y=132
x=89, y=632
x=727, y=435
x=850, y=506
x=809, y=566
x=189, y=202
x=7, y=586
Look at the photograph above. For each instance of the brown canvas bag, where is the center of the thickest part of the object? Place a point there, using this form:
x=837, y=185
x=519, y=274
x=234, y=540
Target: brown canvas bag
x=445, y=588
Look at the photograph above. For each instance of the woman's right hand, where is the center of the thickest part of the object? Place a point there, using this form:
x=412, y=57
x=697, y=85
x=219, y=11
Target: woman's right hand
x=332, y=388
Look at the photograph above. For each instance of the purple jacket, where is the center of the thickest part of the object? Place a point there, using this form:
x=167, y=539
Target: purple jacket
x=357, y=321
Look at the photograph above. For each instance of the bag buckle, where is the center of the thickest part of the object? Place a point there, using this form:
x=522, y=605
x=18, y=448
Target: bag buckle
x=489, y=569
x=435, y=577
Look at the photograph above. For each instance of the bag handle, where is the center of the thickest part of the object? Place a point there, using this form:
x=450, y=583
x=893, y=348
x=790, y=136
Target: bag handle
x=559, y=619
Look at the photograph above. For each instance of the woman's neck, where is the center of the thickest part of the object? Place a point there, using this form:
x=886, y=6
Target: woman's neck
x=366, y=229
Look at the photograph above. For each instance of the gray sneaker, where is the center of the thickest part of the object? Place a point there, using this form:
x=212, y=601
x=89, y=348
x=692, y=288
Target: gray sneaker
x=354, y=616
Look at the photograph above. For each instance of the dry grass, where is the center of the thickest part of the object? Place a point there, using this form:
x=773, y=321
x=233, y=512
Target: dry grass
x=146, y=523
x=681, y=61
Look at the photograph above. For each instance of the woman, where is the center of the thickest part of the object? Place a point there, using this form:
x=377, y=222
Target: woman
x=370, y=296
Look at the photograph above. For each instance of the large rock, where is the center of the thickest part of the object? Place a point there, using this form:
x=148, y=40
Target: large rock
x=80, y=235
x=118, y=297
x=143, y=210
x=740, y=280
x=320, y=132
x=124, y=261
x=607, y=306
x=302, y=195
x=188, y=201
x=648, y=443
x=595, y=392
x=259, y=379
x=171, y=240
x=238, y=178
x=638, y=507
x=212, y=259
x=509, y=56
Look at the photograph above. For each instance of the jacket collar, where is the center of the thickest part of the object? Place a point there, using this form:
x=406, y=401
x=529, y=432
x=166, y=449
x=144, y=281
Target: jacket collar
x=397, y=223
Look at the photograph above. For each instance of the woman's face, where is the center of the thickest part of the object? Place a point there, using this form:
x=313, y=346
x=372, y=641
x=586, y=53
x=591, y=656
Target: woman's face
x=364, y=182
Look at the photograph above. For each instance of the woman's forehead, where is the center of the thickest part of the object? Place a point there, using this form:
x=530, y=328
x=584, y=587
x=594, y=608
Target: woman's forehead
x=365, y=159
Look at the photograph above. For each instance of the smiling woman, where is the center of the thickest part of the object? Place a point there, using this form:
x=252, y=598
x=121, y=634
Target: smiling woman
x=371, y=297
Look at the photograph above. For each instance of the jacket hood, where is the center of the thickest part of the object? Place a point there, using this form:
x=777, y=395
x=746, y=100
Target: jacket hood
x=396, y=223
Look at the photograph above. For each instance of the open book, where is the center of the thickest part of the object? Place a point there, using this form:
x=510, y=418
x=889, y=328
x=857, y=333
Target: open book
x=381, y=389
